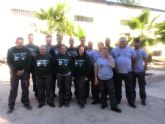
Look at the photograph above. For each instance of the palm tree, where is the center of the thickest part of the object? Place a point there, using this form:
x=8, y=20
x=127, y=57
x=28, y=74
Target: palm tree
x=160, y=31
x=56, y=20
x=145, y=27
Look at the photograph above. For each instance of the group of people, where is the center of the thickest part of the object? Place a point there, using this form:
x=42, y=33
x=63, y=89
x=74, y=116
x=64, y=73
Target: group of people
x=99, y=71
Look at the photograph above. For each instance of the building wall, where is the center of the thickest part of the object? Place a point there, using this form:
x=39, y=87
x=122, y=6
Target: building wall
x=106, y=20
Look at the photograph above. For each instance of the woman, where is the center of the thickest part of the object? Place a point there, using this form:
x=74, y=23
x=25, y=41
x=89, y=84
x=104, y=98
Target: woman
x=80, y=73
x=104, y=77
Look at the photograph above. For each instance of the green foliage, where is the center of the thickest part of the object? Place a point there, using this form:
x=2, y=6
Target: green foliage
x=80, y=32
x=56, y=20
x=145, y=27
x=160, y=31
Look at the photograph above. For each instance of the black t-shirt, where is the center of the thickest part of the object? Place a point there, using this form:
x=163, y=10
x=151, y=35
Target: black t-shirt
x=19, y=59
x=72, y=51
x=33, y=49
x=63, y=64
x=81, y=66
x=43, y=65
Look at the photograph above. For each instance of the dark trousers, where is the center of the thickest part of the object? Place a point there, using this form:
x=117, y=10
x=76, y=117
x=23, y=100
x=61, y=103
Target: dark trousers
x=64, y=84
x=142, y=82
x=32, y=72
x=44, y=87
x=14, y=82
x=107, y=86
x=94, y=88
x=95, y=91
x=53, y=84
x=128, y=87
x=80, y=85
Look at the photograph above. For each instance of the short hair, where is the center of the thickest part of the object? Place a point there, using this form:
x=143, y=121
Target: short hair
x=71, y=39
x=105, y=48
x=122, y=38
x=30, y=34
x=137, y=40
x=19, y=38
x=100, y=43
x=63, y=46
x=48, y=35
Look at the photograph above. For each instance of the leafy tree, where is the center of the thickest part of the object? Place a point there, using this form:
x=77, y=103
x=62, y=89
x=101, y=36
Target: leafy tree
x=56, y=20
x=160, y=31
x=144, y=26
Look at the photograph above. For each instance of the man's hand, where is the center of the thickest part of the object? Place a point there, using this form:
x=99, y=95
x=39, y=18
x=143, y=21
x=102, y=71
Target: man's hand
x=145, y=68
x=86, y=78
x=20, y=73
x=96, y=81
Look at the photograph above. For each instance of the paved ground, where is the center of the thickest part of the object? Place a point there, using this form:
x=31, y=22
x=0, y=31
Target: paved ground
x=153, y=113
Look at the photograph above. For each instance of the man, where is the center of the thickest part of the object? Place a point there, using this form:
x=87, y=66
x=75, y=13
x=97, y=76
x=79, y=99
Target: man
x=63, y=66
x=48, y=43
x=34, y=51
x=95, y=88
x=82, y=42
x=124, y=57
x=71, y=50
x=43, y=64
x=139, y=70
x=54, y=51
x=18, y=59
x=91, y=78
x=108, y=44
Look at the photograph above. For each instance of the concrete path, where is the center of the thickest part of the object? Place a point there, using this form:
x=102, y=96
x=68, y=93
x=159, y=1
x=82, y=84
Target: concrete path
x=153, y=113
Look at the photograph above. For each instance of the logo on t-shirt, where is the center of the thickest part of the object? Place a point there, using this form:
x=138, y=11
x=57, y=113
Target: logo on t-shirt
x=79, y=63
x=19, y=56
x=33, y=50
x=56, y=51
x=63, y=62
x=42, y=63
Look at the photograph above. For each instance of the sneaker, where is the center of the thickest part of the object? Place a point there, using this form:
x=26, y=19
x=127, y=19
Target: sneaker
x=28, y=107
x=10, y=110
x=132, y=105
x=60, y=105
x=103, y=106
x=81, y=106
x=40, y=105
x=143, y=102
x=116, y=109
x=94, y=102
x=51, y=104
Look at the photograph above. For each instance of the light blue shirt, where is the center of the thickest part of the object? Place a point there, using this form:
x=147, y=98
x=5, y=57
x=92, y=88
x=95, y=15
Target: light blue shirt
x=104, y=68
x=123, y=59
x=140, y=56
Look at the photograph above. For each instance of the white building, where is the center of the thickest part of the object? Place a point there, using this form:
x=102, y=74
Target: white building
x=99, y=18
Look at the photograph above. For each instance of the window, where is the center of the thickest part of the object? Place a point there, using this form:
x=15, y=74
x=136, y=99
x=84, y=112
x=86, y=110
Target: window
x=156, y=53
x=83, y=18
x=20, y=12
